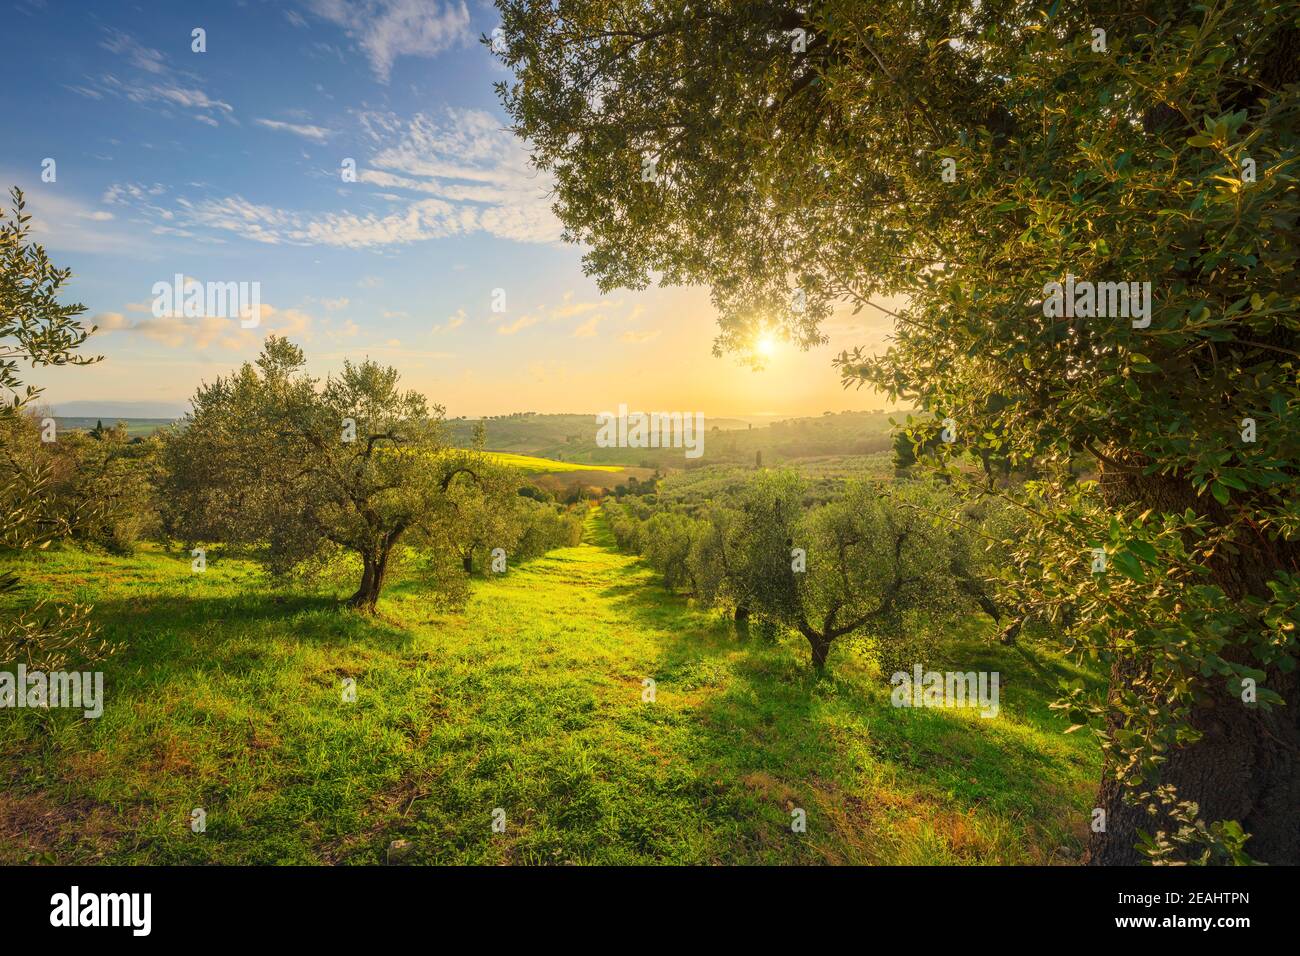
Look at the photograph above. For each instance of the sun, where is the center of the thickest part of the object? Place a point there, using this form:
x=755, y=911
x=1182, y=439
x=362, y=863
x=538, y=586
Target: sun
x=765, y=345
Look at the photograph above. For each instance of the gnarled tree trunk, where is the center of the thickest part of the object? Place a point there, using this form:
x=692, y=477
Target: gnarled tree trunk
x=820, y=645
x=1246, y=766
x=374, y=567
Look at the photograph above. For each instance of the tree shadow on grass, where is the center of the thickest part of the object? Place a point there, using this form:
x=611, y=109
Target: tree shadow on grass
x=760, y=713
x=184, y=630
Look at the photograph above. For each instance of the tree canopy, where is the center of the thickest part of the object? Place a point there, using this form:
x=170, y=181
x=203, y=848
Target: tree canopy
x=36, y=329
x=274, y=459
x=799, y=159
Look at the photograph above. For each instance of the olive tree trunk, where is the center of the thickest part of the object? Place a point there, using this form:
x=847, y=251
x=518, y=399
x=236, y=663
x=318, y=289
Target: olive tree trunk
x=374, y=568
x=1246, y=766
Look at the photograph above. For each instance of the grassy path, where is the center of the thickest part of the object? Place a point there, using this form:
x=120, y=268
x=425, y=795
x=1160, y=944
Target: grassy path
x=530, y=700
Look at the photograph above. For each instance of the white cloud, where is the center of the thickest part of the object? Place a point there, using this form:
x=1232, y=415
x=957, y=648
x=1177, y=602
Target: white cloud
x=163, y=84
x=177, y=96
x=588, y=328
x=63, y=222
x=469, y=176
x=238, y=215
x=149, y=60
x=204, y=332
x=465, y=157
x=317, y=134
x=110, y=321
x=568, y=308
x=347, y=330
x=387, y=29
x=453, y=322
x=521, y=323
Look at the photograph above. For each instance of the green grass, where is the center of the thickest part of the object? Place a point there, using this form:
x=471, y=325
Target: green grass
x=228, y=697
x=532, y=465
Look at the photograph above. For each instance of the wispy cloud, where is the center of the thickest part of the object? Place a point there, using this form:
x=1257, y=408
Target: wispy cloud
x=568, y=308
x=388, y=29
x=588, y=329
x=204, y=332
x=453, y=322
x=67, y=223
x=162, y=85
x=317, y=134
x=123, y=44
x=464, y=157
x=468, y=174
x=519, y=324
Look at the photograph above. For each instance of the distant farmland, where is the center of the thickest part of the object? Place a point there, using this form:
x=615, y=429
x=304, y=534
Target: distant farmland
x=135, y=427
x=534, y=465
x=559, y=476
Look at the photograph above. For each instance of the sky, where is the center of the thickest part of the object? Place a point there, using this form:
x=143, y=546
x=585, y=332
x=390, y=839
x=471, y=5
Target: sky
x=228, y=165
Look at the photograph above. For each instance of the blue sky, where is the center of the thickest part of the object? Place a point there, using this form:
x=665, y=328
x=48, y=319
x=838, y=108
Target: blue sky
x=225, y=165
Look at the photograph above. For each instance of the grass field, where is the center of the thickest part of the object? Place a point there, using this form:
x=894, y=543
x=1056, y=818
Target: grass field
x=228, y=697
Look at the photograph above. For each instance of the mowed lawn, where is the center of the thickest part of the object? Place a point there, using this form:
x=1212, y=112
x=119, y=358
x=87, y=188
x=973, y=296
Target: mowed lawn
x=229, y=697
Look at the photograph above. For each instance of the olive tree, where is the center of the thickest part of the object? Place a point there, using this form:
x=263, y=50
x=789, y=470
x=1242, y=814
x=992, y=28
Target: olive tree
x=666, y=546
x=803, y=158
x=744, y=544
x=36, y=329
x=273, y=459
x=857, y=566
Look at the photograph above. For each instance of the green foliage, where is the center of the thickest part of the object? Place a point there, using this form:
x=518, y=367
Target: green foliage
x=269, y=458
x=625, y=525
x=52, y=637
x=105, y=485
x=545, y=528
x=666, y=546
x=878, y=560
x=1166, y=155
x=1192, y=840
x=528, y=699
x=35, y=328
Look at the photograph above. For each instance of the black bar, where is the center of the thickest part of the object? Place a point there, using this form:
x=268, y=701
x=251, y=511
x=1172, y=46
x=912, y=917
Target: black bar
x=347, y=906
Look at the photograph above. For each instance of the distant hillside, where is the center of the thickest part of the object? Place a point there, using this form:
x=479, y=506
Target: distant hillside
x=572, y=438
x=135, y=427
x=123, y=411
